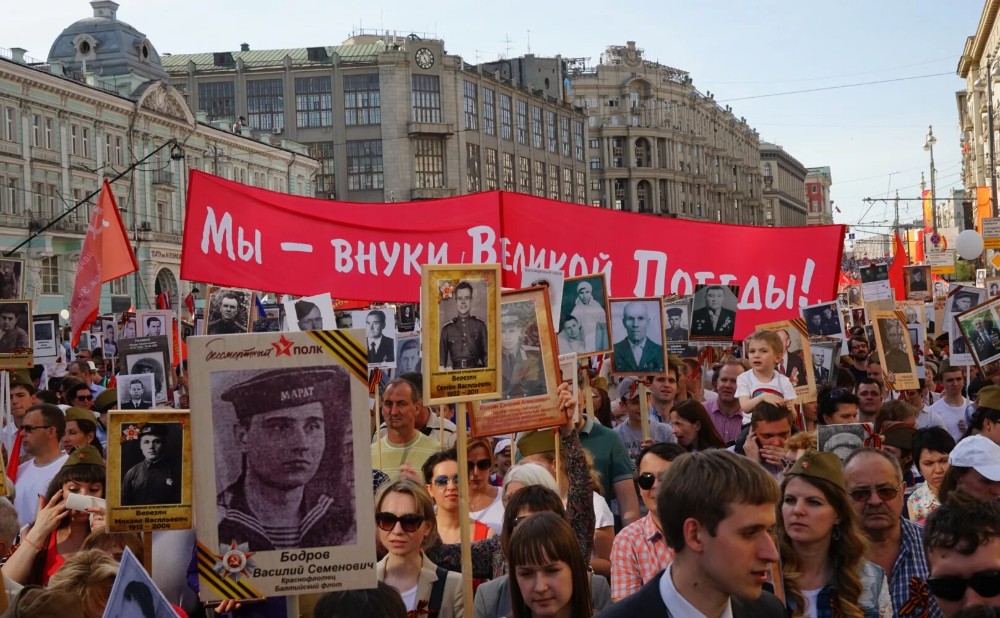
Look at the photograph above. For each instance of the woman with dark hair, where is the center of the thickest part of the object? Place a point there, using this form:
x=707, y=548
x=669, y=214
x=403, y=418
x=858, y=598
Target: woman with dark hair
x=986, y=419
x=822, y=547
x=693, y=427
x=549, y=570
x=58, y=533
x=81, y=430
x=836, y=406
x=931, y=447
x=602, y=406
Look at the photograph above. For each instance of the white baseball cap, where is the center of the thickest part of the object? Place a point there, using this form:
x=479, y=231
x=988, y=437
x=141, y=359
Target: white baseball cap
x=501, y=445
x=978, y=452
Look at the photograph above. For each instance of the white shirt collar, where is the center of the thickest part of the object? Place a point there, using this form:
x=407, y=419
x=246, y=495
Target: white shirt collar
x=678, y=605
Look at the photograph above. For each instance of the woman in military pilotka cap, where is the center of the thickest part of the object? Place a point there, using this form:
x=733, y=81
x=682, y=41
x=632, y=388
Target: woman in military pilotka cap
x=58, y=532
x=822, y=547
x=294, y=430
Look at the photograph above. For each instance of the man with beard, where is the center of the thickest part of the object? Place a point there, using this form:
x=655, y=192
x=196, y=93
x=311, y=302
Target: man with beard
x=858, y=348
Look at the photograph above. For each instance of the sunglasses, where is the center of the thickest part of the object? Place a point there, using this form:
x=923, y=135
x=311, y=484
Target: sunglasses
x=84, y=397
x=409, y=522
x=862, y=494
x=442, y=481
x=952, y=587
x=30, y=428
x=647, y=480
x=482, y=464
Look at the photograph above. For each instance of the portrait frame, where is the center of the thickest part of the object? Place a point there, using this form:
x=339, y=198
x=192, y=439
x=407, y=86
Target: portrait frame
x=854, y=297
x=915, y=317
x=166, y=317
x=15, y=356
x=323, y=302
x=387, y=348
x=799, y=369
x=45, y=338
x=273, y=320
x=553, y=279
x=595, y=334
x=623, y=359
x=132, y=573
x=346, y=560
x=152, y=353
x=124, y=381
x=842, y=440
x=405, y=342
x=982, y=345
x=992, y=285
x=127, y=327
x=684, y=305
x=701, y=324
x=124, y=454
x=921, y=290
x=829, y=327
x=899, y=369
x=958, y=352
x=11, y=279
x=213, y=322
x=530, y=402
x=829, y=352
x=480, y=379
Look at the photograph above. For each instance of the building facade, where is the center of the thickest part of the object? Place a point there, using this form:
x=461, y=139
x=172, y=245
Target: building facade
x=820, y=206
x=395, y=118
x=96, y=107
x=657, y=145
x=784, y=187
x=979, y=165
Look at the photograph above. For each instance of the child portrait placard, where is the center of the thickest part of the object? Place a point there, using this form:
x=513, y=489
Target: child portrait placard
x=148, y=355
x=282, y=463
x=16, y=330
x=149, y=471
x=530, y=368
x=584, y=320
x=796, y=360
x=461, y=332
x=638, y=335
x=899, y=370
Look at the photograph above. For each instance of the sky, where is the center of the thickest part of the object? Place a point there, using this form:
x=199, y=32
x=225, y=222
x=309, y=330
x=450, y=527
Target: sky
x=871, y=136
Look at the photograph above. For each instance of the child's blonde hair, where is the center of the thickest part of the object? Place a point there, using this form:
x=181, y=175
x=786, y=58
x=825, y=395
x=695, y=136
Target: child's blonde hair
x=772, y=340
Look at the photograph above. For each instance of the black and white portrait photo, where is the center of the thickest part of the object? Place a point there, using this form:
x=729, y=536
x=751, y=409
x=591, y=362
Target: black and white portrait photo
x=917, y=280
x=11, y=279
x=126, y=327
x=150, y=355
x=520, y=354
x=894, y=344
x=228, y=311
x=824, y=361
x=136, y=391
x=961, y=299
x=46, y=335
x=464, y=343
x=823, y=320
x=407, y=353
x=842, y=440
x=714, y=312
x=678, y=320
x=552, y=280
x=15, y=326
x=992, y=287
x=110, y=336
x=151, y=464
x=874, y=272
x=585, y=316
x=853, y=295
x=638, y=333
x=154, y=322
x=380, y=335
x=406, y=317
x=858, y=316
x=284, y=437
x=310, y=313
x=134, y=594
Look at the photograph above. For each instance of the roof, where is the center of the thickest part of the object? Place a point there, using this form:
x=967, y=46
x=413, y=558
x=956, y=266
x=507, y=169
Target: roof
x=367, y=52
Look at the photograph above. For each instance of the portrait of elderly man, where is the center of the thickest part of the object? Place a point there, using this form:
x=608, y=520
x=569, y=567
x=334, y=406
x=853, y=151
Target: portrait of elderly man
x=985, y=337
x=523, y=371
x=713, y=320
x=893, y=335
x=636, y=352
x=283, y=496
x=157, y=478
x=381, y=349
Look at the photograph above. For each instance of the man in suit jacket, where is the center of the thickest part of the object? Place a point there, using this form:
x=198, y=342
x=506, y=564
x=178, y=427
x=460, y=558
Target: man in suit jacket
x=637, y=352
x=821, y=373
x=381, y=349
x=791, y=364
x=137, y=397
x=723, y=552
x=713, y=320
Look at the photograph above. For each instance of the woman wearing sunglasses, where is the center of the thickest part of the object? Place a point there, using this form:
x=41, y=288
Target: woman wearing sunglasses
x=485, y=501
x=404, y=514
x=441, y=472
x=822, y=547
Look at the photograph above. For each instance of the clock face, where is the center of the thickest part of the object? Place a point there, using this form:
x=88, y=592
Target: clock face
x=425, y=58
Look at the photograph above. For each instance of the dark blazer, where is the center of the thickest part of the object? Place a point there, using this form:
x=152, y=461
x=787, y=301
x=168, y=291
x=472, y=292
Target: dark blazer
x=651, y=360
x=146, y=404
x=648, y=603
x=795, y=362
x=701, y=323
x=384, y=353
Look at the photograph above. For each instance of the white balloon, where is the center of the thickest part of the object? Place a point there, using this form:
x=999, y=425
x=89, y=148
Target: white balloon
x=64, y=314
x=969, y=245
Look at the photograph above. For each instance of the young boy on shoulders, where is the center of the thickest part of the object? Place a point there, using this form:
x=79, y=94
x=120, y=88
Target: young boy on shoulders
x=762, y=382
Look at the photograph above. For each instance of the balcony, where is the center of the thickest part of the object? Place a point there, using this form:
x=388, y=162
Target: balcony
x=163, y=178
x=431, y=193
x=430, y=128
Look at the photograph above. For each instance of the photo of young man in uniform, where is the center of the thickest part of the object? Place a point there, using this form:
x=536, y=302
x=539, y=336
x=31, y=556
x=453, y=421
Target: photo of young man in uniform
x=464, y=344
x=157, y=478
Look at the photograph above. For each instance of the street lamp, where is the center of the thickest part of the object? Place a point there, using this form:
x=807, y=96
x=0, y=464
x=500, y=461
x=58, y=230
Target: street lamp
x=929, y=146
x=989, y=122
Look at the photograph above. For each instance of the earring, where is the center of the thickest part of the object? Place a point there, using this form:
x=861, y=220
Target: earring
x=836, y=533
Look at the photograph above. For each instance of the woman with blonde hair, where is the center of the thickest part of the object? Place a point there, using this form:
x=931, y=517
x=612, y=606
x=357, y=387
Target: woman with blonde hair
x=485, y=501
x=822, y=546
x=88, y=575
x=404, y=514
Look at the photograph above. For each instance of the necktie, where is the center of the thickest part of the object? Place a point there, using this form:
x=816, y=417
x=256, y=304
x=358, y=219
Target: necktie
x=15, y=456
x=781, y=368
x=371, y=349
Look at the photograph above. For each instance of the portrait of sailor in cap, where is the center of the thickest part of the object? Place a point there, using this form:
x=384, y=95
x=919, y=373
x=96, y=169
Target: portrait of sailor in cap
x=157, y=478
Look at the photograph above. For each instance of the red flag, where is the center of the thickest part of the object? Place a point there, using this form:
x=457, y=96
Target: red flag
x=163, y=300
x=189, y=302
x=896, y=268
x=919, y=257
x=106, y=255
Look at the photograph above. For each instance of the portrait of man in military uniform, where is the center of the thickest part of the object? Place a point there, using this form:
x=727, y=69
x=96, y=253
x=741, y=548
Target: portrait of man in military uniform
x=677, y=322
x=464, y=344
x=228, y=312
x=523, y=374
x=157, y=478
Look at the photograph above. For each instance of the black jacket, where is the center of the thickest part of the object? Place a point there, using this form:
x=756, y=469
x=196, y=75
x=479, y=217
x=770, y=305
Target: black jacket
x=647, y=603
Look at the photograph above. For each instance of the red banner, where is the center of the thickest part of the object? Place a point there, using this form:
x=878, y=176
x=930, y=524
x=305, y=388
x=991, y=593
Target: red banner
x=247, y=237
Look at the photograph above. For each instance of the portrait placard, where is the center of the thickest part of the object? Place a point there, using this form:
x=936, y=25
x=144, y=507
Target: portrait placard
x=227, y=311
x=639, y=336
x=917, y=280
x=380, y=335
x=134, y=592
x=858, y=317
x=11, y=279
x=825, y=360
x=461, y=332
x=156, y=322
x=46, y=335
x=310, y=313
x=915, y=316
x=149, y=471
x=853, y=295
x=992, y=285
x=136, y=391
x=568, y=367
x=584, y=320
x=714, y=312
x=147, y=355
x=16, y=348
x=842, y=440
x=796, y=363
x=980, y=328
x=408, y=353
x=126, y=327
x=110, y=332
x=961, y=299
x=530, y=363
x=899, y=369
x=407, y=315
x=552, y=279
x=678, y=320
x=823, y=321
x=282, y=463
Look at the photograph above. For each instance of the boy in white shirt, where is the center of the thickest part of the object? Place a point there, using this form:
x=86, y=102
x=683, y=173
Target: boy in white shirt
x=762, y=382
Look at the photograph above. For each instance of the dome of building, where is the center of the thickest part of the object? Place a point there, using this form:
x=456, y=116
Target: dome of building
x=106, y=46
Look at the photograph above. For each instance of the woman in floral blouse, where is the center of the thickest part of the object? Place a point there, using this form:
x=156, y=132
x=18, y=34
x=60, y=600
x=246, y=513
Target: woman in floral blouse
x=931, y=446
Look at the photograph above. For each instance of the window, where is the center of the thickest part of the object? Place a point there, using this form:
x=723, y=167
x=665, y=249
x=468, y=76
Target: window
x=523, y=175
x=564, y=135
x=313, y=102
x=266, y=104
x=49, y=143
x=217, y=100
x=472, y=167
x=162, y=221
x=553, y=182
x=471, y=106
x=8, y=196
x=326, y=186
x=536, y=126
x=36, y=127
x=491, y=170
x=50, y=274
x=506, y=117
x=508, y=171
x=539, y=178
x=594, y=142
x=581, y=188
x=429, y=163
x=426, y=98
x=364, y=165
x=8, y=124
x=82, y=213
x=567, y=176
x=85, y=142
x=362, y=100
x=489, y=112
x=595, y=163
x=767, y=170
x=522, y=122
x=74, y=142
x=118, y=151
x=813, y=188
x=578, y=139
x=120, y=286
x=107, y=148
x=550, y=130
x=617, y=152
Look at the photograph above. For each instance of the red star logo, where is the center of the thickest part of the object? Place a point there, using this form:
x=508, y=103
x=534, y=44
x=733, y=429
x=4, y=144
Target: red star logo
x=283, y=347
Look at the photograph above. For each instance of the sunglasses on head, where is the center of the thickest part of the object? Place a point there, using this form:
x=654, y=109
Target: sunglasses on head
x=409, y=522
x=647, y=480
x=482, y=464
x=862, y=494
x=442, y=481
x=952, y=588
